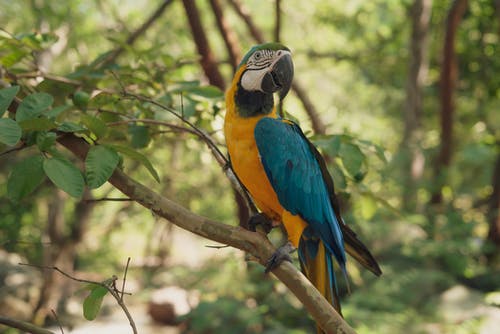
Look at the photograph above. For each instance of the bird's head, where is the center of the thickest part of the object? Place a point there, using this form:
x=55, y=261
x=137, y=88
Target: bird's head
x=268, y=68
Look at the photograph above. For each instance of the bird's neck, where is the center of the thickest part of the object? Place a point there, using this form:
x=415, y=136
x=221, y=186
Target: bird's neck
x=253, y=104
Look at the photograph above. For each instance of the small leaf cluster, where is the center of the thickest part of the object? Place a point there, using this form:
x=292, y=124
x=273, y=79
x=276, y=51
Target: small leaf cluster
x=350, y=155
x=36, y=124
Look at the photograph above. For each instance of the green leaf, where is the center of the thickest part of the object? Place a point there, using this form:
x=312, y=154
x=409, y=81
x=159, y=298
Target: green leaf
x=45, y=140
x=10, y=131
x=338, y=177
x=53, y=113
x=329, y=143
x=65, y=175
x=25, y=177
x=207, y=92
x=95, y=125
x=13, y=57
x=141, y=158
x=352, y=158
x=379, y=151
x=368, y=207
x=6, y=97
x=71, y=127
x=33, y=106
x=37, y=124
x=100, y=163
x=81, y=99
x=92, y=304
x=140, y=135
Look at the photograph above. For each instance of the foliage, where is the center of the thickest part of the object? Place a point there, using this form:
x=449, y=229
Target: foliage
x=353, y=59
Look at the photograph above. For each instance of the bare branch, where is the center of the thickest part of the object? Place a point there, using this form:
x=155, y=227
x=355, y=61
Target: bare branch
x=57, y=320
x=110, y=199
x=24, y=326
x=124, y=278
x=244, y=14
x=108, y=285
x=22, y=145
x=448, y=80
x=228, y=35
x=208, y=62
x=277, y=23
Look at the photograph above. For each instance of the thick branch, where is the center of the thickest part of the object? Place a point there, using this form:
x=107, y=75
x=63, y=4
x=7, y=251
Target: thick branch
x=244, y=14
x=413, y=166
x=208, y=61
x=254, y=243
x=277, y=23
x=449, y=73
x=494, y=210
x=228, y=35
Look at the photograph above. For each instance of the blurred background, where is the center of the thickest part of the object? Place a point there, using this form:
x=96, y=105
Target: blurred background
x=402, y=96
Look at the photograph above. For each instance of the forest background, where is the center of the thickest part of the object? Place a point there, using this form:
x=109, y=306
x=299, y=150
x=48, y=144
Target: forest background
x=402, y=96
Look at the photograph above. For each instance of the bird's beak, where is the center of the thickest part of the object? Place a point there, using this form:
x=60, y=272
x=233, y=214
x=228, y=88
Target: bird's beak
x=280, y=76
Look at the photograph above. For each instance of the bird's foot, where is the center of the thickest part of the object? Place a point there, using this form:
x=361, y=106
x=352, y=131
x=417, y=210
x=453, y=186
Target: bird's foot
x=260, y=219
x=280, y=255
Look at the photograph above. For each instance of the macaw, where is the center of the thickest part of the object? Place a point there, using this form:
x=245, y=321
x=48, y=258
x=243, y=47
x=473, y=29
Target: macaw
x=284, y=173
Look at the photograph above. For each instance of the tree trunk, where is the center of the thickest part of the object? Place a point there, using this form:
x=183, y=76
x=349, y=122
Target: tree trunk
x=228, y=35
x=449, y=73
x=494, y=213
x=208, y=62
x=420, y=14
x=209, y=65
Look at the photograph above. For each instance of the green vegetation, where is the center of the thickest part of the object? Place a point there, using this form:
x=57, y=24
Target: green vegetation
x=418, y=177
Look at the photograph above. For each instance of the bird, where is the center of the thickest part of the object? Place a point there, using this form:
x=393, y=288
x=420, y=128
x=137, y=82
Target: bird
x=285, y=174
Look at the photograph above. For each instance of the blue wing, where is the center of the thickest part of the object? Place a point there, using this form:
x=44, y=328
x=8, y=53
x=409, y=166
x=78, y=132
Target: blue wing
x=296, y=177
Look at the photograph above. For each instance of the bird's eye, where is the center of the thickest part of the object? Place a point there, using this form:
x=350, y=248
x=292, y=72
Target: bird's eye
x=278, y=53
x=257, y=55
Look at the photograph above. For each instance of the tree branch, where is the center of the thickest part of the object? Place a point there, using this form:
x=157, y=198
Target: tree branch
x=24, y=326
x=228, y=35
x=277, y=23
x=109, y=285
x=208, y=62
x=449, y=74
x=252, y=242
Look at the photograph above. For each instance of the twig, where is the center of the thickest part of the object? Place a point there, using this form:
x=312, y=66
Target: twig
x=110, y=286
x=277, y=24
x=57, y=320
x=24, y=326
x=124, y=278
x=228, y=35
x=217, y=247
x=110, y=199
x=153, y=122
x=208, y=61
x=19, y=147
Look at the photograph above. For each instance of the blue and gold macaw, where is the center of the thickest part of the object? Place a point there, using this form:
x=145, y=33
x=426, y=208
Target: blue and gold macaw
x=284, y=173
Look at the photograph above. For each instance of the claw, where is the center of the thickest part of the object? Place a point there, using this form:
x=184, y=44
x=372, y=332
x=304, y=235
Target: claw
x=280, y=255
x=262, y=220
